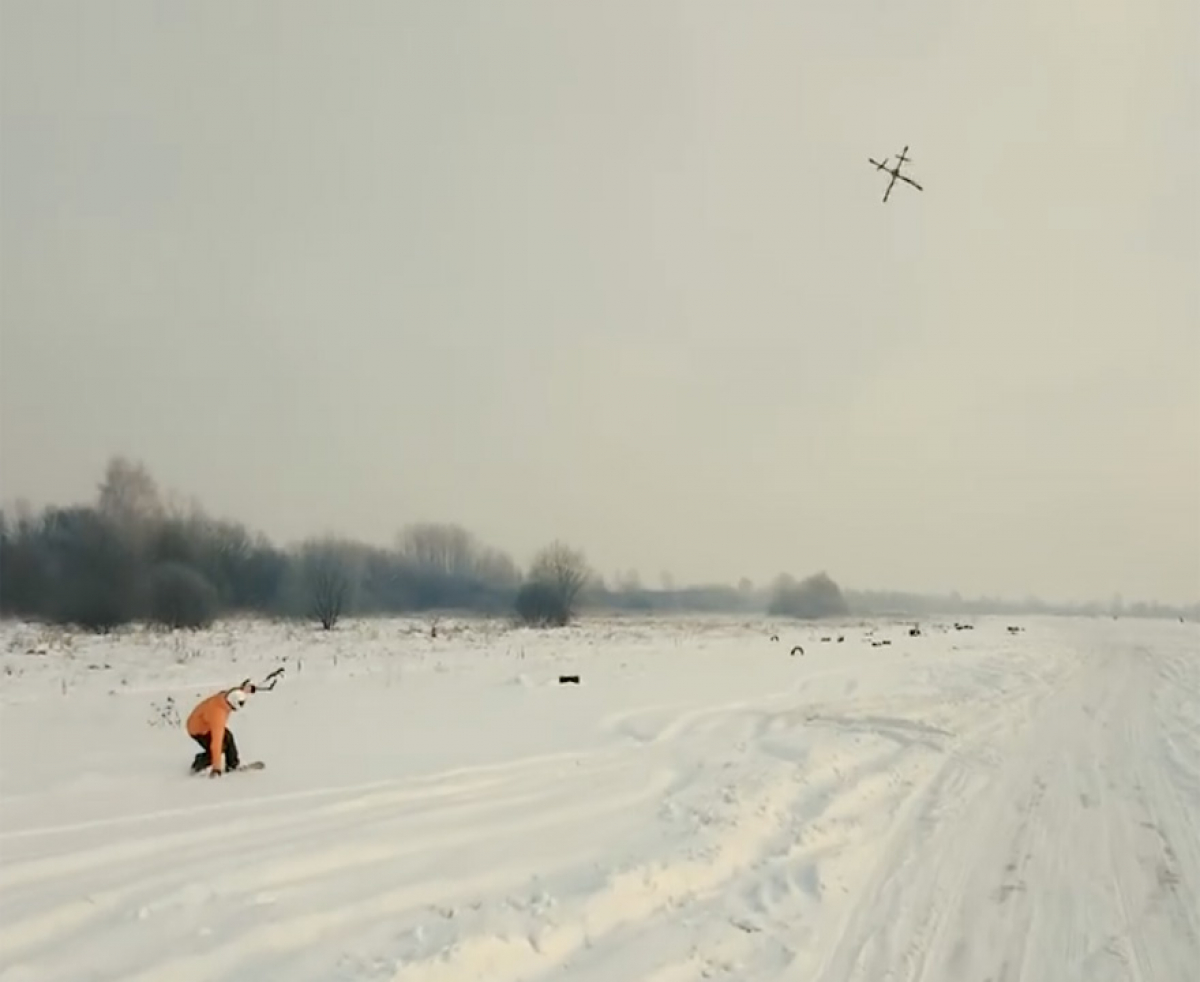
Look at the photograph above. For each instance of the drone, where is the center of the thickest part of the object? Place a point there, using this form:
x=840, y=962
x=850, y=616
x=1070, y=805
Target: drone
x=895, y=172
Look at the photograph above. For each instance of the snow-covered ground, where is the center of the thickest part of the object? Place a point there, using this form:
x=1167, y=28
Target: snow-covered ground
x=961, y=806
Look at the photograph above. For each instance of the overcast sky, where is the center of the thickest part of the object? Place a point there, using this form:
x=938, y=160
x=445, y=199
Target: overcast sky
x=619, y=273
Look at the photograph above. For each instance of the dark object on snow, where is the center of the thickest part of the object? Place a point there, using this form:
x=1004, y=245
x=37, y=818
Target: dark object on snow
x=914, y=632
x=568, y=680
x=963, y=627
x=1013, y=629
x=841, y=638
x=880, y=644
x=799, y=649
x=774, y=637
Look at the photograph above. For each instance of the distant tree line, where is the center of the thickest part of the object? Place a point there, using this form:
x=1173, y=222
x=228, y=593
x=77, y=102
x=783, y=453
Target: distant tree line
x=812, y=598
x=815, y=597
x=868, y=603
x=130, y=557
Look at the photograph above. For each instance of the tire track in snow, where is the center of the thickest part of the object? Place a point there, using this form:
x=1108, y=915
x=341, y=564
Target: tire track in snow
x=830, y=812
x=1008, y=892
x=403, y=788
x=275, y=853
x=794, y=812
x=783, y=937
x=627, y=897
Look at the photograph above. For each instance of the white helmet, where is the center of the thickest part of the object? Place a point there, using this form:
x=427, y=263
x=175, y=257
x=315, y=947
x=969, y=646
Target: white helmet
x=236, y=698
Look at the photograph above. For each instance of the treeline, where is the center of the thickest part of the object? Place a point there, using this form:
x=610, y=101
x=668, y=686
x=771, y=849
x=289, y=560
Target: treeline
x=814, y=597
x=129, y=556
x=895, y=603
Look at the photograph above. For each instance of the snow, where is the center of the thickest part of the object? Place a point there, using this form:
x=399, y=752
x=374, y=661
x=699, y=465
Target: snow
x=961, y=805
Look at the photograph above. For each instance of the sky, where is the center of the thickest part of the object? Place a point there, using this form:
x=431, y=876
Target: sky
x=619, y=274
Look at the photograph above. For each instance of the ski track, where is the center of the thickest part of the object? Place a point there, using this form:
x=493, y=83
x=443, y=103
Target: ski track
x=988, y=808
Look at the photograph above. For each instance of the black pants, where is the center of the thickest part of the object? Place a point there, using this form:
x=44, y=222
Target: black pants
x=204, y=759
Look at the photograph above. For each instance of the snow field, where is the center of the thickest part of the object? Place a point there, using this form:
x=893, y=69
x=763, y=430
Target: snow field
x=960, y=805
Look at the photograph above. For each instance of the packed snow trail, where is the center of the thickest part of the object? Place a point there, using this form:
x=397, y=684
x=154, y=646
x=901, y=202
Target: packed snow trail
x=952, y=806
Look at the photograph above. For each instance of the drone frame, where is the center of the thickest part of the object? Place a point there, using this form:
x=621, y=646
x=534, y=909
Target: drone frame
x=895, y=172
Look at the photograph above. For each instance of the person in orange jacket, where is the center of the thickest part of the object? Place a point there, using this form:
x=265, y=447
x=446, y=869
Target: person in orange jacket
x=208, y=725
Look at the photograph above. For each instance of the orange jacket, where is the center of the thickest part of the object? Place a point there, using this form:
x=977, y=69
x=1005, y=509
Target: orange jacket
x=210, y=716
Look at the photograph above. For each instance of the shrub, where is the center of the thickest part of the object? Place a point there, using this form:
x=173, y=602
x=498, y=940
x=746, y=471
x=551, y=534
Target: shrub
x=541, y=604
x=556, y=579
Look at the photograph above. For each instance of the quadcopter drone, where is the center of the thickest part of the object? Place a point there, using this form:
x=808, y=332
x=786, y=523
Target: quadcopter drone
x=895, y=172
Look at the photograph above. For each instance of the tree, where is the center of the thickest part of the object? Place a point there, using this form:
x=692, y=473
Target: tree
x=180, y=597
x=439, y=549
x=92, y=570
x=128, y=495
x=815, y=597
x=442, y=566
x=327, y=580
x=538, y=605
x=24, y=567
x=262, y=576
x=557, y=576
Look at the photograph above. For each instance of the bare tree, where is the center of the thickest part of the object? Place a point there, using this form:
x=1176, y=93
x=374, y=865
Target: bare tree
x=128, y=495
x=433, y=547
x=450, y=551
x=327, y=580
x=557, y=577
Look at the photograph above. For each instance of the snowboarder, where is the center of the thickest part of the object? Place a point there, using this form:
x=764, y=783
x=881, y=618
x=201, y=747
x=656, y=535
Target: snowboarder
x=207, y=725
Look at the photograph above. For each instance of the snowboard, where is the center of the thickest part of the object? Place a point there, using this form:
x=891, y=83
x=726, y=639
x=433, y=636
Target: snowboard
x=253, y=765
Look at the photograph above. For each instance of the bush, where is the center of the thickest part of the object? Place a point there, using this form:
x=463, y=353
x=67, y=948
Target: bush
x=180, y=597
x=556, y=579
x=540, y=604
